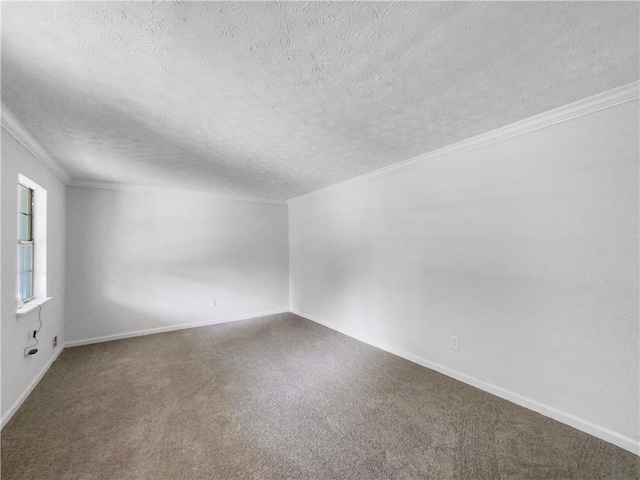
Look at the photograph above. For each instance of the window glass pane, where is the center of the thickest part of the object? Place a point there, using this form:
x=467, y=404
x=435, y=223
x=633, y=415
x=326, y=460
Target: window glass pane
x=25, y=285
x=25, y=258
x=24, y=199
x=25, y=250
x=24, y=227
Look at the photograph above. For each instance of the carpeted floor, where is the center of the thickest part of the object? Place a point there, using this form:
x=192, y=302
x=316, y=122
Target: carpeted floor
x=280, y=397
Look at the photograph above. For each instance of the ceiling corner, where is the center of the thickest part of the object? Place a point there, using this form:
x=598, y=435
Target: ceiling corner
x=12, y=125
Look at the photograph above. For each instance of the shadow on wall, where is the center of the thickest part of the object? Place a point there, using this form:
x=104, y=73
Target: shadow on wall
x=144, y=261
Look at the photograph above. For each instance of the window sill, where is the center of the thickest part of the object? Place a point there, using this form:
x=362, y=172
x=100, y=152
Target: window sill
x=27, y=307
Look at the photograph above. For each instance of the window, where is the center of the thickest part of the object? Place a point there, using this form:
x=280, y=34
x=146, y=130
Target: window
x=31, y=278
x=25, y=243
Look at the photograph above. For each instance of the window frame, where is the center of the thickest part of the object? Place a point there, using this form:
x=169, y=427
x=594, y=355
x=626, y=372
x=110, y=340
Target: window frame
x=29, y=240
x=39, y=215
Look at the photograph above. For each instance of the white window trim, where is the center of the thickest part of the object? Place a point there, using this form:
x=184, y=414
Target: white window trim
x=39, y=246
x=33, y=303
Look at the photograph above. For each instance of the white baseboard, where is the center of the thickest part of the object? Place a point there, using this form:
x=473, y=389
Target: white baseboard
x=603, y=433
x=171, y=328
x=18, y=403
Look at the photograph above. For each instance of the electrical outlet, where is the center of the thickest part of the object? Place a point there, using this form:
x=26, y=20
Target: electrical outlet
x=212, y=303
x=55, y=341
x=453, y=342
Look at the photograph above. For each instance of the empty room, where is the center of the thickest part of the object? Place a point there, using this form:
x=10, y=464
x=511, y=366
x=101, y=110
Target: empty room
x=320, y=240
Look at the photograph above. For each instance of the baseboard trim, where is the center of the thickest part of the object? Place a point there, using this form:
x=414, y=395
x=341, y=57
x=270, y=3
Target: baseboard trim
x=18, y=403
x=602, y=433
x=171, y=328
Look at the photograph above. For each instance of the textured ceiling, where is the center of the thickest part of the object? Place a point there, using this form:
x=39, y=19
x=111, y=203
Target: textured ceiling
x=278, y=99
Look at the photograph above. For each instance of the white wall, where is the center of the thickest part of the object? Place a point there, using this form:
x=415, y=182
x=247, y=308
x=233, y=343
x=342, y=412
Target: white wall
x=143, y=261
x=19, y=374
x=526, y=249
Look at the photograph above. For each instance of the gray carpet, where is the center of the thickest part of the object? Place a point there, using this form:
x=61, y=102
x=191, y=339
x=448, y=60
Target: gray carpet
x=280, y=397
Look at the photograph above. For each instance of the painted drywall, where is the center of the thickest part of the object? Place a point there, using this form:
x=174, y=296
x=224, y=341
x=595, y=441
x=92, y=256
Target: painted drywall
x=20, y=374
x=526, y=249
x=141, y=262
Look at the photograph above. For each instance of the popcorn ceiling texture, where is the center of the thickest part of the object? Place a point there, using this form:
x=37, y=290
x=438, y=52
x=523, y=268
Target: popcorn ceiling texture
x=278, y=99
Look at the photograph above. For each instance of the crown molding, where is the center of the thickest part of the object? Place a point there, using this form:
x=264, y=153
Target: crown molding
x=12, y=125
x=129, y=187
x=601, y=101
x=610, y=98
